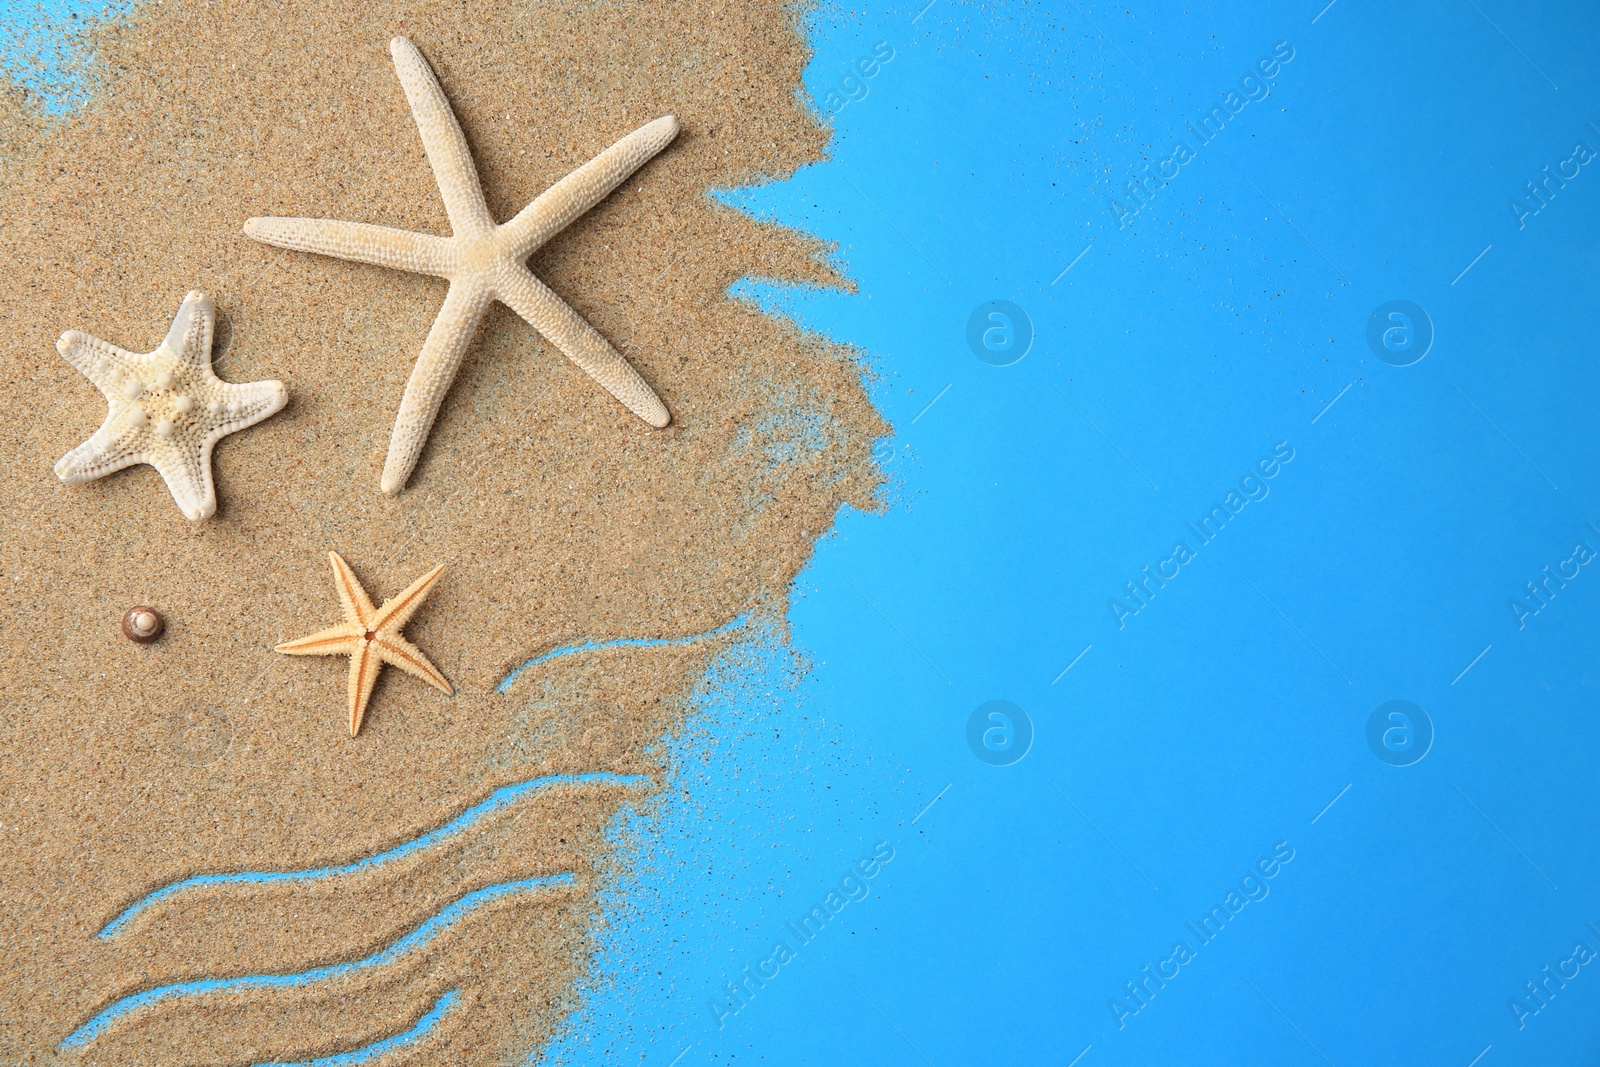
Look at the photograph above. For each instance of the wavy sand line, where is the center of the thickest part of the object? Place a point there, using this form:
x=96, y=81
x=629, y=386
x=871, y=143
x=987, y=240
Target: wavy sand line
x=417, y=938
x=621, y=642
x=501, y=798
x=368, y=1053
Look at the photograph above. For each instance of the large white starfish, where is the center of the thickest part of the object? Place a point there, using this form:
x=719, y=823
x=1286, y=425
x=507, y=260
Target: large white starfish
x=482, y=262
x=167, y=408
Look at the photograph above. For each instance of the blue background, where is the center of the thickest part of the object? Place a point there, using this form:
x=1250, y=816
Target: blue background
x=1230, y=714
x=1227, y=715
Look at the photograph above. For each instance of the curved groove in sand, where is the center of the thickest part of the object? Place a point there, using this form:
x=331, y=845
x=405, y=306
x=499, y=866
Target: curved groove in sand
x=416, y=939
x=367, y=1053
x=621, y=642
x=501, y=798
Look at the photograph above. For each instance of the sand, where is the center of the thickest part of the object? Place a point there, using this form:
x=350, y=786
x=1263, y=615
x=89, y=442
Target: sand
x=561, y=517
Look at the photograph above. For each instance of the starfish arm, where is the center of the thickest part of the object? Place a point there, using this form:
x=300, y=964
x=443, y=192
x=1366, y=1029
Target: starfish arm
x=430, y=379
x=585, y=187
x=443, y=140
x=189, y=337
x=101, y=362
x=186, y=468
x=365, y=663
x=401, y=653
x=397, y=611
x=106, y=452
x=353, y=599
x=340, y=640
x=383, y=246
x=565, y=328
x=252, y=402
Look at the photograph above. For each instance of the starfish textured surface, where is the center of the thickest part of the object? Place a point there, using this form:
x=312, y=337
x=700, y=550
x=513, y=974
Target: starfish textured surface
x=371, y=637
x=167, y=408
x=482, y=261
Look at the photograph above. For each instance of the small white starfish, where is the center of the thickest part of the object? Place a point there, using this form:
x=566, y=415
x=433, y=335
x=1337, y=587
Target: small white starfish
x=482, y=262
x=167, y=408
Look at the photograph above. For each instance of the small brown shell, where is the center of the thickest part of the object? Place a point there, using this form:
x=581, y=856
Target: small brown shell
x=143, y=624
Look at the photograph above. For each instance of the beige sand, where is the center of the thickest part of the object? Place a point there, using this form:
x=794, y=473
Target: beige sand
x=561, y=516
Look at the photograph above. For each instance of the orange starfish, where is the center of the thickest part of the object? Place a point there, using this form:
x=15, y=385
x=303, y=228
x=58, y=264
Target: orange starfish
x=371, y=637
